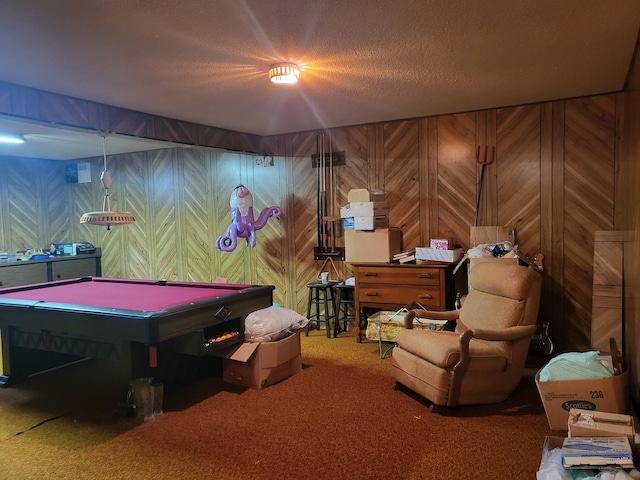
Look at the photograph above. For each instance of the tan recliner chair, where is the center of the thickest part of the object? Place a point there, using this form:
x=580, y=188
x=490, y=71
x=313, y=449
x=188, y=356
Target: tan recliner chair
x=483, y=359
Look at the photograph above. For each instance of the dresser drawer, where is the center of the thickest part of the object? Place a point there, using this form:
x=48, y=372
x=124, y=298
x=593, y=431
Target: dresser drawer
x=24, y=274
x=399, y=275
x=78, y=267
x=428, y=296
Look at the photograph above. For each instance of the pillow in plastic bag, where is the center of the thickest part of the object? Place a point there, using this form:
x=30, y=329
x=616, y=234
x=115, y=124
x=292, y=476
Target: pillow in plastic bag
x=272, y=323
x=574, y=366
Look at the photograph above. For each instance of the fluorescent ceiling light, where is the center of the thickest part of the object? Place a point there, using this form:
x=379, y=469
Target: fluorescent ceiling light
x=11, y=138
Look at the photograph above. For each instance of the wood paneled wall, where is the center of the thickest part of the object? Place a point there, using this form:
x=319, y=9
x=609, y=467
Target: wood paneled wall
x=553, y=179
x=628, y=210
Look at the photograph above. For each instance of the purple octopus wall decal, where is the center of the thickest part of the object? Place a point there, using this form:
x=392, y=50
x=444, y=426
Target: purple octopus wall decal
x=243, y=224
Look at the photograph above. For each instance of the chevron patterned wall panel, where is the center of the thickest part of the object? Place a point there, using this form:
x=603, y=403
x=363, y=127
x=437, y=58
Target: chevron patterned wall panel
x=305, y=231
x=456, y=177
x=194, y=200
x=427, y=167
x=517, y=166
x=589, y=186
x=22, y=213
x=402, y=179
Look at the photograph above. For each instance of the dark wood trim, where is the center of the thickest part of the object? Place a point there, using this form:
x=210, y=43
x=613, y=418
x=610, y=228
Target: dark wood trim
x=62, y=111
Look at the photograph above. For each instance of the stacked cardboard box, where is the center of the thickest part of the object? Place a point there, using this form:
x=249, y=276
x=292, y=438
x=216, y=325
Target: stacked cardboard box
x=365, y=211
x=378, y=246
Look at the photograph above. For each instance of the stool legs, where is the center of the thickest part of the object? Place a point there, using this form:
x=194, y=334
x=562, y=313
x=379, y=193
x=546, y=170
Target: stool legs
x=321, y=297
x=344, y=301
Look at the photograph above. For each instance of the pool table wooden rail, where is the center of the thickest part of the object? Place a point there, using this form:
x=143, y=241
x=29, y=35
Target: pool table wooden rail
x=131, y=337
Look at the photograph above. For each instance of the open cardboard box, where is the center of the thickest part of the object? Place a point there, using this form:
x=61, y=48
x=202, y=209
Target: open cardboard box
x=609, y=394
x=590, y=423
x=258, y=365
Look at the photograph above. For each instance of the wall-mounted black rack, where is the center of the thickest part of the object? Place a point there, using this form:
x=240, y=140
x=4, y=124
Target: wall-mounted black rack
x=332, y=159
x=337, y=253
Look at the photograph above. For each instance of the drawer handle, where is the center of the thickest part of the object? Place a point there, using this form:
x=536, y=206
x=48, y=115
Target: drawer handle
x=425, y=295
x=370, y=274
x=371, y=294
x=424, y=275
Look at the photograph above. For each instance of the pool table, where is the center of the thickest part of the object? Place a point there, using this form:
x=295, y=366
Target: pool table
x=133, y=322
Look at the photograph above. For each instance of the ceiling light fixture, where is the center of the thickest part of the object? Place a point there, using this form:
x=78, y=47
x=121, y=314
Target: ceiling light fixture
x=106, y=217
x=11, y=138
x=284, y=72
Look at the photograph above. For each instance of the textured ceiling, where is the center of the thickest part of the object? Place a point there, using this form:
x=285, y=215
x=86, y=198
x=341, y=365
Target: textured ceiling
x=362, y=61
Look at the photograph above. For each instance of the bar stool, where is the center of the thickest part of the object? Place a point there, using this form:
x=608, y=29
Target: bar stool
x=345, y=301
x=321, y=306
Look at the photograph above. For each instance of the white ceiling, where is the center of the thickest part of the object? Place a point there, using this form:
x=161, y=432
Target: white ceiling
x=52, y=143
x=362, y=61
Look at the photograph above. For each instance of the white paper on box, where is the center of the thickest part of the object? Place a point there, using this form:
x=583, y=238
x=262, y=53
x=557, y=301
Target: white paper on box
x=439, y=244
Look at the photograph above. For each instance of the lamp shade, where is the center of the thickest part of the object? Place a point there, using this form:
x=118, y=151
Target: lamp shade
x=285, y=72
x=106, y=217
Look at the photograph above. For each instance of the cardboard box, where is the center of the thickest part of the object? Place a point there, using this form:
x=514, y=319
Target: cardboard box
x=590, y=423
x=505, y=261
x=358, y=195
x=610, y=394
x=438, y=255
x=258, y=365
x=370, y=223
x=369, y=209
x=364, y=195
x=490, y=234
x=378, y=246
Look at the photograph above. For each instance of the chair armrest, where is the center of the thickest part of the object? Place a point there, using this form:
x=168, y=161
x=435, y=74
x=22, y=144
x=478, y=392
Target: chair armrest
x=508, y=334
x=428, y=314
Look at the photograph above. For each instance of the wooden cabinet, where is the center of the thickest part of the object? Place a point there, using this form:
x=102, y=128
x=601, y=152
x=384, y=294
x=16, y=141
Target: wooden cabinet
x=56, y=268
x=393, y=286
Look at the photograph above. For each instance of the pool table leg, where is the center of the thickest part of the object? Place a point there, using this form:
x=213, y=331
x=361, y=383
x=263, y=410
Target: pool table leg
x=4, y=357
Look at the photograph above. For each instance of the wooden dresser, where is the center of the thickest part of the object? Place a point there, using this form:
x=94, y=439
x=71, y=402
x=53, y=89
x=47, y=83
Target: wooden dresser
x=391, y=286
x=13, y=274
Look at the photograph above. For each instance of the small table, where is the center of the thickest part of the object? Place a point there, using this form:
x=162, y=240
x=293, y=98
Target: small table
x=120, y=319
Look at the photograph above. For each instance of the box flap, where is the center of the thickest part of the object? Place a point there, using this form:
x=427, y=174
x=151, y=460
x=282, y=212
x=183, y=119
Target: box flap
x=358, y=195
x=490, y=234
x=243, y=352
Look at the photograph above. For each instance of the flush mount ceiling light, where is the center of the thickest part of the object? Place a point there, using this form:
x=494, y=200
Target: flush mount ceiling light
x=106, y=217
x=11, y=138
x=284, y=72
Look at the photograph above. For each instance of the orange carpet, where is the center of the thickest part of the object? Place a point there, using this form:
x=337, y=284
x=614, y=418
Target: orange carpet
x=342, y=417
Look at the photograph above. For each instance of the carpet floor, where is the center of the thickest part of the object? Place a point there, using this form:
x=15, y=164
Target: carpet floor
x=342, y=417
